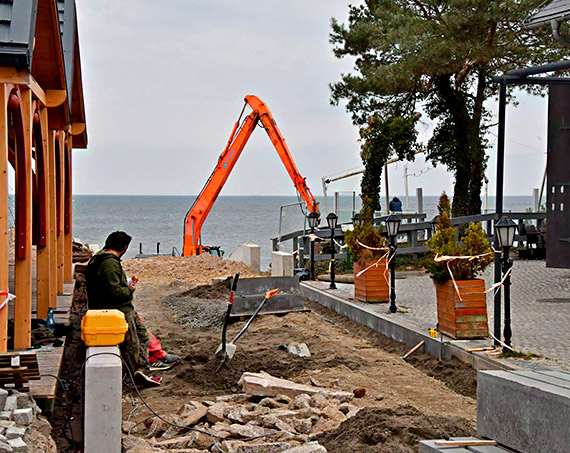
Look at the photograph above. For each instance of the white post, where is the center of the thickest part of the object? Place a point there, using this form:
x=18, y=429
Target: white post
x=535, y=200
x=420, y=200
x=103, y=394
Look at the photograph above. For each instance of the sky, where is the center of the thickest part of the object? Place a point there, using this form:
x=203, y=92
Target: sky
x=164, y=83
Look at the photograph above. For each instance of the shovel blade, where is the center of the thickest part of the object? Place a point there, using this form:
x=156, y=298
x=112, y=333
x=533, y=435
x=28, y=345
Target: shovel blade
x=230, y=350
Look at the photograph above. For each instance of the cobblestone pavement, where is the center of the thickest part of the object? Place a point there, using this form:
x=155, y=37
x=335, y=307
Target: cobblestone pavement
x=540, y=308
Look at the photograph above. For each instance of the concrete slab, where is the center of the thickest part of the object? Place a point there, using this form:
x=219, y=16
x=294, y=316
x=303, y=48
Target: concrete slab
x=282, y=264
x=249, y=254
x=249, y=286
x=280, y=303
x=523, y=412
x=428, y=446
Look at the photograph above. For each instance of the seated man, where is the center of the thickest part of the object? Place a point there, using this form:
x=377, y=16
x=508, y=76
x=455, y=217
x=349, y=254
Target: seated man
x=108, y=288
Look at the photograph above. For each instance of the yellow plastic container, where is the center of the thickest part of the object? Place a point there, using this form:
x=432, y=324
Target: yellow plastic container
x=103, y=327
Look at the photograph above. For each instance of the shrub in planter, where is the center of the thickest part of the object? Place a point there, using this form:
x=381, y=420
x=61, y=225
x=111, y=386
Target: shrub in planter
x=370, y=285
x=465, y=316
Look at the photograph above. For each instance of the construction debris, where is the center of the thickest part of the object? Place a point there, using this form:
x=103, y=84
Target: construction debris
x=263, y=384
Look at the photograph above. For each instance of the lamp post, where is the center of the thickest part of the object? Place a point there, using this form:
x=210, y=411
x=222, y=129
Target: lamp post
x=331, y=221
x=506, y=230
x=313, y=222
x=358, y=220
x=393, y=225
x=433, y=223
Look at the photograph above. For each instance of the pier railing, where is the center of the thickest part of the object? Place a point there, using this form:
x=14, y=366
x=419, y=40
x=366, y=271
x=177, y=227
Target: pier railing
x=414, y=231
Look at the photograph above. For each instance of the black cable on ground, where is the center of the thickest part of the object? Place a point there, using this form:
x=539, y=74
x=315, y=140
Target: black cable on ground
x=67, y=420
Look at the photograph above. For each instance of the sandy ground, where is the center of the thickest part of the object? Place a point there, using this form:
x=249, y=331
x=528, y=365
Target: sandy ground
x=405, y=403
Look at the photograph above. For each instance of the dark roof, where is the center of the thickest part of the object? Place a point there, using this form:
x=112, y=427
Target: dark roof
x=556, y=10
x=17, y=26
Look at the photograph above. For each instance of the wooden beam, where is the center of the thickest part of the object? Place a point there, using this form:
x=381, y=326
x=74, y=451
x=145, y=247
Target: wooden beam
x=23, y=77
x=4, y=268
x=67, y=194
x=60, y=181
x=52, y=215
x=23, y=259
x=43, y=251
x=77, y=128
x=55, y=98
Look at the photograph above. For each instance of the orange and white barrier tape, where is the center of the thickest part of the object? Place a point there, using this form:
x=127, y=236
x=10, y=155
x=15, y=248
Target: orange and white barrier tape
x=371, y=248
x=9, y=297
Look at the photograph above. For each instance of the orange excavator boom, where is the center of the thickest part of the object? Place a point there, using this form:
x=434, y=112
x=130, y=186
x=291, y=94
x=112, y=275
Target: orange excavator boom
x=238, y=139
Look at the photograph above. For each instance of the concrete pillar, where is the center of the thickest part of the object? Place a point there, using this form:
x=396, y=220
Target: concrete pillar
x=281, y=264
x=103, y=387
x=420, y=200
x=249, y=254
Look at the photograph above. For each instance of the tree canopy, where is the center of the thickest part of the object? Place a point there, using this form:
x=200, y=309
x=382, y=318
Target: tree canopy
x=437, y=57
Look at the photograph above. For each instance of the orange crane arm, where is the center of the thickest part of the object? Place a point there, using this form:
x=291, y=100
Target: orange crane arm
x=240, y=135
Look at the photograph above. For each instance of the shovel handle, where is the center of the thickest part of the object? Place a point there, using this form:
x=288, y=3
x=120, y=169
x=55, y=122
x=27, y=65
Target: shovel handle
x=227, y=318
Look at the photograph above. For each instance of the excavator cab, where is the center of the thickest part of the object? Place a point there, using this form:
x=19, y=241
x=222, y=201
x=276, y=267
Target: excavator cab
x=213, y=250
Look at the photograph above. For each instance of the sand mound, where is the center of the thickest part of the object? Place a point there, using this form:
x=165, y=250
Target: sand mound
x=198, y=269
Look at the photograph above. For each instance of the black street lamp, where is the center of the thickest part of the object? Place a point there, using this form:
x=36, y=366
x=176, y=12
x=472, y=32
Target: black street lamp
x=331, y=221
x=358, y=220
x=433, y=223
x=313, y=222
x=393, y=226
x=506, y=230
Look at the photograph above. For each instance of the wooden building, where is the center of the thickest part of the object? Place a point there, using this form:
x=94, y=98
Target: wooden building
x=42, y=118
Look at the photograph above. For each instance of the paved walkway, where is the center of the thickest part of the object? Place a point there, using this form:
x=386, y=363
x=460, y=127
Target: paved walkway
x=540, y=308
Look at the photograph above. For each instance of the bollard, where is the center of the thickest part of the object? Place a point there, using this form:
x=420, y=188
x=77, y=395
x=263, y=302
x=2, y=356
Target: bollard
x=102, y=411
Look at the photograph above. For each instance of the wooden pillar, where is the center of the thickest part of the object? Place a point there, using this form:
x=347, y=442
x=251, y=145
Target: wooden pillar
x=43, y=292
x=23, y=255
x=52, y=215
x=60, y=179
x=4, y=92
x=67, y=204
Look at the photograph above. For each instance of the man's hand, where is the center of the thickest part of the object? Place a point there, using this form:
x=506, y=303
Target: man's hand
x=133, y=282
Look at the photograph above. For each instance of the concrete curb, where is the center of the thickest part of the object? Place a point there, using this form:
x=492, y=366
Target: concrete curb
x=395, y=326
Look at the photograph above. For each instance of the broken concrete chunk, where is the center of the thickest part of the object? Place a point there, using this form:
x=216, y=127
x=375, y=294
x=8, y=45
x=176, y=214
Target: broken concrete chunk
x=246, y=431
x=300, y=401
x=269, y=402
x=192, y=413
x=23, y=416
x=5, y=415
x=218, y=412
x=193, y=440
x=312, y=447
x=134, y=443
x=269, y=447
x=266, y=385
x=5, y=447
x=303, y=426
x=345, y=408
x=221, y=430
x=283, y=399
x=3, y=397
x=235, y=398
x=300, y=349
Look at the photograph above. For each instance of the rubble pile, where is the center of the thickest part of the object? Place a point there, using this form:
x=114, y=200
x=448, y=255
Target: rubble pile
x=274, y=415
x=22, y=428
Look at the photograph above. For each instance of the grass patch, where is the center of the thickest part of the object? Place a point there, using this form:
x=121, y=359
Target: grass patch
x=519, y=355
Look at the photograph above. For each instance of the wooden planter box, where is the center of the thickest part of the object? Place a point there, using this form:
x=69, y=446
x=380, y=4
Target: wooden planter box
x=465, y=318
x=371, y=286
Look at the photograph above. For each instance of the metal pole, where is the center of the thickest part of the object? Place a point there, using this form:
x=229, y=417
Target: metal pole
x=499, y=203
x=393, y=308
x=312, y=257
x=507, y=264
x=332, y=286
x=387, y=188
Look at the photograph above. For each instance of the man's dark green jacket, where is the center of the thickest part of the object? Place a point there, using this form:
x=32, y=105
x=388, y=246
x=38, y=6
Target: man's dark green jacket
x=106, y=282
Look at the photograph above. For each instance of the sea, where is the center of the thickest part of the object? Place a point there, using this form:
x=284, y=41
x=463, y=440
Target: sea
x=157, y=222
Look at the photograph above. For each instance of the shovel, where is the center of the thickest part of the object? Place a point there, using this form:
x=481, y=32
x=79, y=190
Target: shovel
x=230, y=348
x=222, y=347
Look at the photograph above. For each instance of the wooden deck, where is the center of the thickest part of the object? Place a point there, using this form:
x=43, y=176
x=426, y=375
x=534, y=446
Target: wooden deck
x=49, y=357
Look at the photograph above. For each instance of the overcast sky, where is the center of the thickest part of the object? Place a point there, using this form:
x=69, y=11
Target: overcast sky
x=164, y=83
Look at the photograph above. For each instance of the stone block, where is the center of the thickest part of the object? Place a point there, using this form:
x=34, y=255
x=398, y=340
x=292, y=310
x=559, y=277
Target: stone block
x=5, y=415
x=268, y=447
x=3, y=397
x=249, y=254
x=282, y=264
x=192, y=413
x=103, y=392
x=23, y=417
x=18, y=445
x=523, y=410
x=24, y=401
x=311, y=447
x=246, y=431
x=14, y=431
x=218, y=412
x=5, y=447
x=11, y=403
